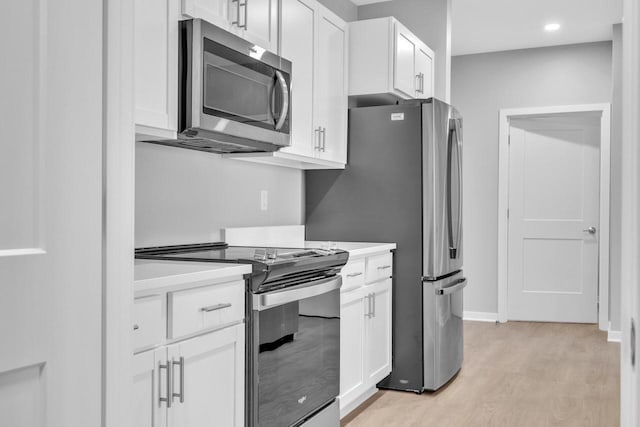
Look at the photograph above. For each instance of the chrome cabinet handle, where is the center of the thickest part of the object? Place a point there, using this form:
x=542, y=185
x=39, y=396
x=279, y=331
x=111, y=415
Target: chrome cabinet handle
x=169, y=385
x=590, y=230
x=237, y=21
x=323, y=141
x=418, y=82
x=285, y=100
x=181, y=394
x=384, y=267
x=215, y=307
x=359, y=273
x=368, y=298
x=373, y=310
x=246, y=14
x=316, y=137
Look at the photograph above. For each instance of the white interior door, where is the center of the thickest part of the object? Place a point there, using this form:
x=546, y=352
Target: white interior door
x=51, y=213
x=553, y=218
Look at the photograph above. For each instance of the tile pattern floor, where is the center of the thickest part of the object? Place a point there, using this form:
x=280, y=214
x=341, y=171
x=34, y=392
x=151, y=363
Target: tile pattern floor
x=516, y=374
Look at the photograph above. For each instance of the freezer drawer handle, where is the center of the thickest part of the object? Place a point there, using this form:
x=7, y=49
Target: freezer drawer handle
x=458, y=286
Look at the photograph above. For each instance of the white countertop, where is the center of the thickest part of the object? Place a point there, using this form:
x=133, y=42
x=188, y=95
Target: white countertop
x=355, y=249
x=152, y=274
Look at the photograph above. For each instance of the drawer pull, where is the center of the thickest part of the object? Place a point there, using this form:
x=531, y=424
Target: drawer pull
x=384, y=267
x=355, y=274
x=215, y=307
x=136, y=327
x=181, y=394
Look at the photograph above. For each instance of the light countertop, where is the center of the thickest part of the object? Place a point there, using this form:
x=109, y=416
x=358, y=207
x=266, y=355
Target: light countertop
x=355, y=249
x=152, y=274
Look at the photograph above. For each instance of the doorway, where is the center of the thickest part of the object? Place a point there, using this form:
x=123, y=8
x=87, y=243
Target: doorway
x=554, y=214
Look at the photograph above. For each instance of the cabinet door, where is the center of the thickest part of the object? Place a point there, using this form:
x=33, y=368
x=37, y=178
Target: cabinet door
x=148, y=383
x=331, y=86
x=424, y=69
x=210, y=381
x=378, y=331
x=352, y=320
x=404, y=75
x=298, y=28
x=216, y=12
x=156, y=63
x=260, y=19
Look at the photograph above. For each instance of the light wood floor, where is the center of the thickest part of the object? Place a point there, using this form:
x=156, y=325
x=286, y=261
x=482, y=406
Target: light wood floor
x=514, y=374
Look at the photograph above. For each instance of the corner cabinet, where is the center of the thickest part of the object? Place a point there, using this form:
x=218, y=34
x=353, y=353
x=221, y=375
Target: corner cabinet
x=388, y=62
x=198, y=375
x=315, y=40
x=365, y=328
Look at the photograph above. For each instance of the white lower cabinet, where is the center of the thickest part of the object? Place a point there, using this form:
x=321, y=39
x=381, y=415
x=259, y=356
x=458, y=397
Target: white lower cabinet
x=199, y=380
x=204, y=377
x=365, y=331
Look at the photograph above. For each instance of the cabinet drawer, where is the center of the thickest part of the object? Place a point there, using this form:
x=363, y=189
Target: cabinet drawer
x=193, y=310
x=379, y=267
x=352, y=275
x=148, y=321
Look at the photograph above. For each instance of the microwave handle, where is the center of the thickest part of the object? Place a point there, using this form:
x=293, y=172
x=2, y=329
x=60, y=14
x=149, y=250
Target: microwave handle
x=285, y=100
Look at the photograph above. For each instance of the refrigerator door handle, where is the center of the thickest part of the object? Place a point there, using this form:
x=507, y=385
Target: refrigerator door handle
x=457, y=286
x=459, y=157
x=454, y=240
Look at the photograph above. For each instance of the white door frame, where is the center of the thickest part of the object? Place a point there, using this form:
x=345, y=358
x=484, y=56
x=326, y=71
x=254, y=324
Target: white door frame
x=118, y=213
x=503, y=200
x=630, y=271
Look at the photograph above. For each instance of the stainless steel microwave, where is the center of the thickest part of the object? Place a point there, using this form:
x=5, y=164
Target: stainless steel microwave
x=233, y=96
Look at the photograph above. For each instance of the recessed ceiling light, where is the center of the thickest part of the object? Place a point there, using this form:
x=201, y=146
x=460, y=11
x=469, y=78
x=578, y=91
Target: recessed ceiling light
x=552, y=27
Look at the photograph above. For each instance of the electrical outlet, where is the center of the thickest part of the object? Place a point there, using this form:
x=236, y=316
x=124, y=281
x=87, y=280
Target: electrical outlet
x=264, y=200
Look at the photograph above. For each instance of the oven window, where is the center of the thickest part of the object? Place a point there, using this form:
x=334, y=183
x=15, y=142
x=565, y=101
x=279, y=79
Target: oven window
x=240, y=88
x=299, y=358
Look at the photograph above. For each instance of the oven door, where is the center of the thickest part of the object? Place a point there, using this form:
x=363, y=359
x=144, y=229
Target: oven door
x=296, y=352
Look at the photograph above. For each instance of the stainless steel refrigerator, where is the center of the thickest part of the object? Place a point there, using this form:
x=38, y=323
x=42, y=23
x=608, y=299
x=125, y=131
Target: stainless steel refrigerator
x=403, y=184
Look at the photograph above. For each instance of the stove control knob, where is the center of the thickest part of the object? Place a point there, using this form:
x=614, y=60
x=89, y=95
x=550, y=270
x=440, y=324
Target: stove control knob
x=260, y=254
x=272, y=253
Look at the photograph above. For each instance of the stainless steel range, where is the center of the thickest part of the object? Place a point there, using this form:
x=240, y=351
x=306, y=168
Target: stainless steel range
x=293, y=329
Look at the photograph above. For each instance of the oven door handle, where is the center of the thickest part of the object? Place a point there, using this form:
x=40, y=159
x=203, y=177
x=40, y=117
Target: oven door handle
x=285, y=100
x=297, y=293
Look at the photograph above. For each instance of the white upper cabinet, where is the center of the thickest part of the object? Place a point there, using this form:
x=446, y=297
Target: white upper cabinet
x=330, y=116
x=156, y=67
x=387, y=61
x=315, y=40
x=253, y=20
x=298, y=30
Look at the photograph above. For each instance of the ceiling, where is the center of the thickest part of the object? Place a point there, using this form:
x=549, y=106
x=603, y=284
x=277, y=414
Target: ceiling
x=494, y=25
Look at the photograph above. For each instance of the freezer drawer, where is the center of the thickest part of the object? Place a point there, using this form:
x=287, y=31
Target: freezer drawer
x=443, y=335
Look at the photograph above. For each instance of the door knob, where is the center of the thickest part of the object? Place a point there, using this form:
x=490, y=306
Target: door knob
x=590, y=230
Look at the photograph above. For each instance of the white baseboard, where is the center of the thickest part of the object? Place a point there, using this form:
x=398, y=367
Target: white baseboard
x=614, y=336
x=480, y=316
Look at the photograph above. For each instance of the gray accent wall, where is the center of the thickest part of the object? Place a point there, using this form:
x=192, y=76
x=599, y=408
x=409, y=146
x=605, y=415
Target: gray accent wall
x=481, y=85
x=343, y=8
x=429, y=21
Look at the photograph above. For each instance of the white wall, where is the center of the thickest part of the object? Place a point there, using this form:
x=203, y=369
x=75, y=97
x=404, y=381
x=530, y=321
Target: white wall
x=481, y=85
x=186, y=196
x=429, y=21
